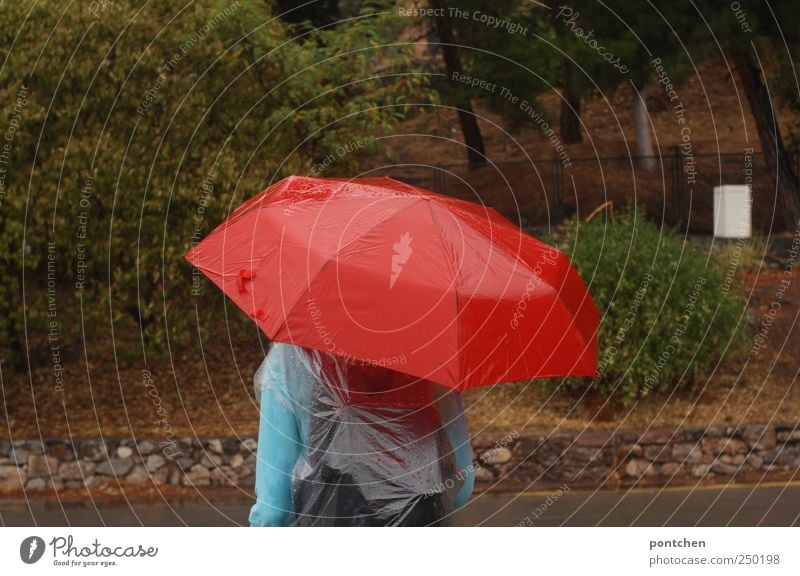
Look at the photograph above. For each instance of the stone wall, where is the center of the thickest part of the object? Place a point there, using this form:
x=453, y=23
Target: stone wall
x=506, y=460
x=656, y=456
x=72, y=464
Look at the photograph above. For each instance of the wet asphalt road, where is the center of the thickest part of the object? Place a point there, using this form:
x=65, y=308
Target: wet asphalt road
x=765, y=505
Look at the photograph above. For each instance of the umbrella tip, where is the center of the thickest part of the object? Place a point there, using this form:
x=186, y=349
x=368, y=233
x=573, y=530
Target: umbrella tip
x=191, y=255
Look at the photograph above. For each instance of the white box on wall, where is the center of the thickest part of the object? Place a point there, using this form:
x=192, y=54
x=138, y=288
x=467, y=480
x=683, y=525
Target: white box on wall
x=733, y=206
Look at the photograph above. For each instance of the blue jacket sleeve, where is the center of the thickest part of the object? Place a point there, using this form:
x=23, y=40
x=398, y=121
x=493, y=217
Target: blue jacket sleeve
x=458, y=433
x=278, y=450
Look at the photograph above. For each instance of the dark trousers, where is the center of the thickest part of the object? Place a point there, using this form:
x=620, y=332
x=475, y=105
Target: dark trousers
x=336, y=500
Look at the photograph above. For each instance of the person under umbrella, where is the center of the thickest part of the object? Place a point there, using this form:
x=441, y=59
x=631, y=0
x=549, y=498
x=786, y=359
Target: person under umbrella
x=354, y=274
x=347, y=443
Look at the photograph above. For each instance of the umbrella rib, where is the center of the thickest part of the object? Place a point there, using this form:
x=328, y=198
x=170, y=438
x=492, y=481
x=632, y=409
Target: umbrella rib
x=286, y=316
x=511, y=254
x=338, y=250
x=371, y=228
x=455, y=273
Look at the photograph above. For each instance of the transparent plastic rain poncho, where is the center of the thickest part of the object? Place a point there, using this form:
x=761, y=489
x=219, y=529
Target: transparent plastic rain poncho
x=375, y=444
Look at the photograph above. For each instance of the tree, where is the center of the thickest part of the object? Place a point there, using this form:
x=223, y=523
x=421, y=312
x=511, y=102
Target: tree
x=570, y=117
x=578, y=69
x=505, y=48
x=641, y=117
x=752, y=34
x=309, y=14
x=141, y=127
x=614, y=43
x=476, y=153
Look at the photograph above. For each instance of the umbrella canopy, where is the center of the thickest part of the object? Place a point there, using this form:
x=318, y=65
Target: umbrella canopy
x=391, y=275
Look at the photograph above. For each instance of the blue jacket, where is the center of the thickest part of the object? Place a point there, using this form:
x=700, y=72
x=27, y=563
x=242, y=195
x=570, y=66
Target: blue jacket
x=283, y=429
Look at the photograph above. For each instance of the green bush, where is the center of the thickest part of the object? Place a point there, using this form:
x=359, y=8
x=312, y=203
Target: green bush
x=668, y=316
x=138, y=128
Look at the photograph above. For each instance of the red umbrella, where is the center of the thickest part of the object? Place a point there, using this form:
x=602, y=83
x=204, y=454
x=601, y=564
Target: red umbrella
x=392, y=275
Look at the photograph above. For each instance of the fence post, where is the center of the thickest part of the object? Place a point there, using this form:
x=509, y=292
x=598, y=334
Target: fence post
x=557, y=183
x=438, y=179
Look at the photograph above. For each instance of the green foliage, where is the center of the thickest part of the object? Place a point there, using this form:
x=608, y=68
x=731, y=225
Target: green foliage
x=634, y=33
x=770, y=31
x=505, y=43
x=744, y=253
x=521, y=45
x=667, y=316
x=143, y=126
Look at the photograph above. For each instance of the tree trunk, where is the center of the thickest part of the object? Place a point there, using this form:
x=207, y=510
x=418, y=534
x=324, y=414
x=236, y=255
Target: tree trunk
x=476, y=153
x=570, y=120
x=644, y=145
x=775, y=155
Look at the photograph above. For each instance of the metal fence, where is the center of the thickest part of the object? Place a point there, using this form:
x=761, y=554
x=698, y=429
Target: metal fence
x=676, y=190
